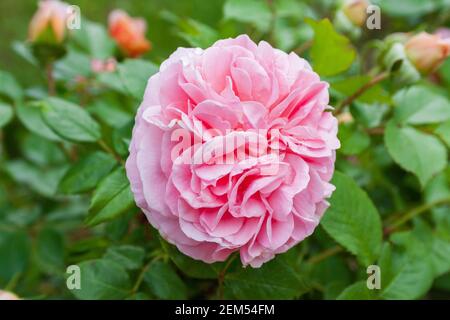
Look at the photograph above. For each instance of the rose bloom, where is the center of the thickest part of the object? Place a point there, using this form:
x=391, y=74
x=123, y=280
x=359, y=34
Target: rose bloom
x=5, y=295
x=49, y=22
x=129, y=33
x=427, y=51
x=356, y=11
x=261, y=204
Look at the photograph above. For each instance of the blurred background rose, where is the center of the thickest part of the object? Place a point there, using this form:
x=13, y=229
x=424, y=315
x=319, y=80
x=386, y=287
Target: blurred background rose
x=15, y=26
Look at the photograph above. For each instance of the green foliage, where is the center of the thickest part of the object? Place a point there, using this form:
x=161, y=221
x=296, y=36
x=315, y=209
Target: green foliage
x=164, y=281
x=417, y=152
x=112, y=198
x=65, y=130
x=277, y=279
x=331, y=52
x=102, y=279
x=239, y=10
x=353, y=220
x=87, y=173
x=70, y=121
x=135, y=74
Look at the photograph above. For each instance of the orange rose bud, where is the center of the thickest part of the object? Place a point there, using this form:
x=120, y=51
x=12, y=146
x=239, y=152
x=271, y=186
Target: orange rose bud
x=129, y=33
x=427, y=51
x=356, y=11
x=49, y=22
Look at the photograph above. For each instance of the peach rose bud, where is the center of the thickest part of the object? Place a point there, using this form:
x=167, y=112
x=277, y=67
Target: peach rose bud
x=49, y=22
x=129, y=33
x=427, y=51
x=355, y=10
x=5, y=295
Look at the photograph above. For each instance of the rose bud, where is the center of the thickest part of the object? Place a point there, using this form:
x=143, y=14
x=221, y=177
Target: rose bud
x=99, y=66
x=48, y=25
x=5, y=295
x=128, y=33
x=427, y=51
x=355, y=11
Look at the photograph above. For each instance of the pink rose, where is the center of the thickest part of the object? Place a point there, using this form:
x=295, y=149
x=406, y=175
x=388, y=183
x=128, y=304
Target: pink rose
x=219, y=101
x=49, y=22
x=427, y=52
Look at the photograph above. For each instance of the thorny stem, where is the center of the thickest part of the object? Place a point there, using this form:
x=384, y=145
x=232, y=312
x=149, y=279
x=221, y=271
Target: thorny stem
x=141, y=275
x=50, y=79
x=414, y=213
x=303, y=47
x=106, y=148
x=325, y=254
x=375, y=80
x=222, y=273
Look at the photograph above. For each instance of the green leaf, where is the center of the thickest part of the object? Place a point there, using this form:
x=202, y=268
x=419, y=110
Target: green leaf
x=416, y=152
x=42, y=181
x=135, y=74
x=86, y=174
x=111, y=80
x=423, y=243
x=164, y=281
x=112, y=198
x=194, y=32
x=109, y=112
x=199, y=35
x=121, y=138
x=6, y=114
x=291, y=8
x=255, y=12
x=403, y=277
x=369, y=115
x=352, y=220
x=94, y=39
x=128, y=256
x=70, y=121
x=193, y=268
x=30, y=115
x=15, y=250
x=443, y=131
x=73, y=65
x=9, y=87
x=276, y=279
x=23, y=49
x=331, y=52
x=102, y=279
x=41, y=151
x=353, y=140
x=408, y=8
x=357, y=291
x=50, y=251
x=420, y=105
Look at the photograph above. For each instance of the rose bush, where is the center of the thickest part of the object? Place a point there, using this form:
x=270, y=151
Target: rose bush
x=279, y=149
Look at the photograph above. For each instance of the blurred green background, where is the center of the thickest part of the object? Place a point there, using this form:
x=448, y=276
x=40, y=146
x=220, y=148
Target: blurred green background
x=15, y=16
